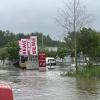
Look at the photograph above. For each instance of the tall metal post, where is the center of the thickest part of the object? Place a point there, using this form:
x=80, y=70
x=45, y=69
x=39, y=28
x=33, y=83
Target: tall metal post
x=20, y=59
x=42, y=42
x=75, y=36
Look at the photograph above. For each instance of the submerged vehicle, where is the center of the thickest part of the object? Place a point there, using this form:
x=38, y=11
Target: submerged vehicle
x=16, y=64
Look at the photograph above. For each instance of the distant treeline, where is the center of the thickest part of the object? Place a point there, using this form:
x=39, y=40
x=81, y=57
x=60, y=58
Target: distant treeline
x=7, y=36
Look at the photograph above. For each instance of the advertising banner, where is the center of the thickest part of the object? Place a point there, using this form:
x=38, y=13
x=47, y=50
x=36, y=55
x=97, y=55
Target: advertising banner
x=33, y=45
x=23, y=47
x=28, y=46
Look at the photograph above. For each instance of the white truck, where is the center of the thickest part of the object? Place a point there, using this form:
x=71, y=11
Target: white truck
x=50, y=61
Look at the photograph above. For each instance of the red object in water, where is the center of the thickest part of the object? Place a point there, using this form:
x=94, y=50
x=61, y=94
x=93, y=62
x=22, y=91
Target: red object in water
x=42, y=59
x=5, y=92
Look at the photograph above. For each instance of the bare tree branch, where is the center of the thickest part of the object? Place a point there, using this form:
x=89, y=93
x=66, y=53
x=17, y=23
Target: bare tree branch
x=66, y=16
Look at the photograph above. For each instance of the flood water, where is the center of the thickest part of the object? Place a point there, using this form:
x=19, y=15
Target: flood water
x=49, y=85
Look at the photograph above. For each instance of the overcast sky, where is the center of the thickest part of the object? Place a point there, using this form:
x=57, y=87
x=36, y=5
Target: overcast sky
x=38, y=16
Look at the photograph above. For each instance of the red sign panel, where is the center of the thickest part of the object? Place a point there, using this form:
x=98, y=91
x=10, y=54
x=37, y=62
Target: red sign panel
x=5, y=92
x=42, y=59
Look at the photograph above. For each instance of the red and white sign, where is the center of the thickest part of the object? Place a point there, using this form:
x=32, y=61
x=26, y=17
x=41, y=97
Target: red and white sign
x=33, y=45
x=23, y=47
x=42, y=59
x=28, y=46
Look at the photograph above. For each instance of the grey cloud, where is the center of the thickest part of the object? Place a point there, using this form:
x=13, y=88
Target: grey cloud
x=37, y=15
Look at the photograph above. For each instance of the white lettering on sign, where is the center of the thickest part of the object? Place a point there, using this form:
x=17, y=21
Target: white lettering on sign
x=23, y=47
x=28, y=46
x=33, y=45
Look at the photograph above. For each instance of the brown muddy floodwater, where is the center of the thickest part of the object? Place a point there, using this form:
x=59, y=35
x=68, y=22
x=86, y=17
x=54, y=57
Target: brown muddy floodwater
x=49, y=85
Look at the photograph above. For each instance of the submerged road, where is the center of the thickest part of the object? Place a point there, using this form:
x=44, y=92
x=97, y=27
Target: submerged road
x=49, y=85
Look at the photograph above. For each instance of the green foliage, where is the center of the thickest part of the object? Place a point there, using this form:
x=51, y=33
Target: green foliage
x=13, y=50
x=70, y=43
x=51, y=54
x=93, y=71
x=3, y=53
x=88, y=43
x=9, y=41
x=86, y=72
x=5, y=37
x=62, y=51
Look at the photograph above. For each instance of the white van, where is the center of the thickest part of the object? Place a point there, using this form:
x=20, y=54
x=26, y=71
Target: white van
x=50, y=61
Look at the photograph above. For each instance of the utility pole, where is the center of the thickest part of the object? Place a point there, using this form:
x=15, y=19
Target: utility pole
x=75, y=38
x=42, y=42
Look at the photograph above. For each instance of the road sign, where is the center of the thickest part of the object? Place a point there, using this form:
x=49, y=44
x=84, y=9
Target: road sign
x=42, y=59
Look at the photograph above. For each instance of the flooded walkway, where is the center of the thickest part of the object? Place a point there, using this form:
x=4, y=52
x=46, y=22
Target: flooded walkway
x=35, y=85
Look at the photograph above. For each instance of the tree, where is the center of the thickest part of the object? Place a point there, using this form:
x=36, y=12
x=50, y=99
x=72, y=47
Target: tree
x=89, y=43
x=72, y=19
x=13, y=50
x=62, y=51
x=51, y=53
x=69, y=43
x=5, y=37
x=3, y=54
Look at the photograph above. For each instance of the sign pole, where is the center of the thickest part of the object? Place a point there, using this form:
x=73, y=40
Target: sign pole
x=42, y=42
x=20, y=59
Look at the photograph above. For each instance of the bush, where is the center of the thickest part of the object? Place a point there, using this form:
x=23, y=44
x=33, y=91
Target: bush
x=90, y=71
x=86, y=72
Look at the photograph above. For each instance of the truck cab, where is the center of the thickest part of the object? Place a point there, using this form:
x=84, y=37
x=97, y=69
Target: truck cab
x=50, y=61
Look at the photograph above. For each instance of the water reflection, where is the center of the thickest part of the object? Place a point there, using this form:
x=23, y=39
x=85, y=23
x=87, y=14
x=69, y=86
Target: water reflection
x=88, y=87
